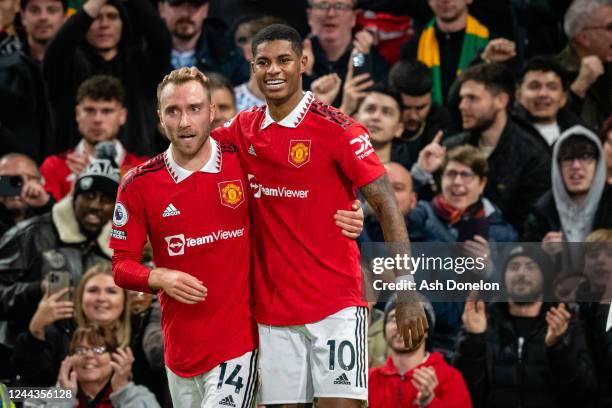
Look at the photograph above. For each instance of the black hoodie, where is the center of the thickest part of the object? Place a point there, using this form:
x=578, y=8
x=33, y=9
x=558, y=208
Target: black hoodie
x=142, y=60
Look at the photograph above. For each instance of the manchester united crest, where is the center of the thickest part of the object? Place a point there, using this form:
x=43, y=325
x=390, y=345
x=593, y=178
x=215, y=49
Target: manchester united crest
x=299, y=152
x=231, y=193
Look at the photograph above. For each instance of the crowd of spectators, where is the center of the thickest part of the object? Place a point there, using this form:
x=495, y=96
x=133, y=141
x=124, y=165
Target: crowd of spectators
x=493, y=119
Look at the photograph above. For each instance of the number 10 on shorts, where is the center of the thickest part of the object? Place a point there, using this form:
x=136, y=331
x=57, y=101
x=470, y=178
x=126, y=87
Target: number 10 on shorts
x=337, y=354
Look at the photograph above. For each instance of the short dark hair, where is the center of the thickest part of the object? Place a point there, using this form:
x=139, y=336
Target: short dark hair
x=218, y=81
x=545, y=64
x=24, y=4
x=411, y=77
x=101, y=88
x=577, y=145
x=495, y=77
x=276, y=32
x=381, y=88
x=469, y=156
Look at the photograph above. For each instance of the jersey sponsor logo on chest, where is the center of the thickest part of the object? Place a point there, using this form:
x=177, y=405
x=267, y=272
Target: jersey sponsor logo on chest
x=176, y=244
x=299, y=152
x=280, y=191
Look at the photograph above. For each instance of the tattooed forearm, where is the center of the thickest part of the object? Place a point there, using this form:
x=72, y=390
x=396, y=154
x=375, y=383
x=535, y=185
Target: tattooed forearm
x=381, y=198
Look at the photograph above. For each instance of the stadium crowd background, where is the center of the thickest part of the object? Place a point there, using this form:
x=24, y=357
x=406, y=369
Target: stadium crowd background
x=492, y=118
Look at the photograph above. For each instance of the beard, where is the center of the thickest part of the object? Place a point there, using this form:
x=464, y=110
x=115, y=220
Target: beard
x=185, y=29
x=528, y=297
x=484, y=123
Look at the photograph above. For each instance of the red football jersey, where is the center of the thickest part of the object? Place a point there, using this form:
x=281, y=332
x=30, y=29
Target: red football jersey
x=198, y=223
x=59, y=179
x=301, y=171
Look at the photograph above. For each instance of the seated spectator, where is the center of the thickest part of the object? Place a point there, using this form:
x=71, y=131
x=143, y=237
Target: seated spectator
x=112, y=37
x=334, y=45
x=202, y=42
x=380, y=113
x=23, y=100
x=401, y=181
x=580, y=199
x=421, y=116
x=605, y=137
x=414, y=377
x=98, y=373
x=459, y=213
x=541, y=98
x=447, y=45
x=31, y=200
x=519, y=165
x=526, y=352
x=222, y=96
x=248, y=93
x=73, y=237
x=100, y=115
x=594, y=298
x=588, y=59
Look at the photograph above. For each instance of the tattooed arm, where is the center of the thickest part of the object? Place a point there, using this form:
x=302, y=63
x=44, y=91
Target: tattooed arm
x=411, y=320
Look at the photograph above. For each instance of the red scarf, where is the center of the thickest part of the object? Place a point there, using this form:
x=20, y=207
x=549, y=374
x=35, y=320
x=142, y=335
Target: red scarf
x=453, y=215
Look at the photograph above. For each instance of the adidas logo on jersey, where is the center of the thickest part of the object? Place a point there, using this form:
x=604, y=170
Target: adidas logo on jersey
x=252, y=151
x=343, y=380
x=170, y=211
x=229, y=401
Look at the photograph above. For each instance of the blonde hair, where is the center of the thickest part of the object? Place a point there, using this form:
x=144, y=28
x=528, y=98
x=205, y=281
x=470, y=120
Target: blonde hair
x=181, y=76
x=122, y=328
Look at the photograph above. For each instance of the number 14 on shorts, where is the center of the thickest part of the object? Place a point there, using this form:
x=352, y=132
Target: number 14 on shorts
x=233, y=379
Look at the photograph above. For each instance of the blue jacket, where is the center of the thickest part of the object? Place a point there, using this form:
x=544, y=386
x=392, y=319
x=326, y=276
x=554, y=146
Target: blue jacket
x=425, y=226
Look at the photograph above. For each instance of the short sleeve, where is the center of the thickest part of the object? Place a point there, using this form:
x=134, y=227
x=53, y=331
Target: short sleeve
x=228, y=133
x=129, y=230
x=354, y=152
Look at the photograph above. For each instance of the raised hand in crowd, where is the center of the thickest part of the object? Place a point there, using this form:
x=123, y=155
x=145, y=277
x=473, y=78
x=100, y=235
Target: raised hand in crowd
x=431, y=156
x=34, y=194
x=363, y=41
x=557, y=319
x=122, y=360
x=326, y=88
x=591, y=68
x=474, y=317
x=355, y=88
x=77, y=161
x=552, y=243
x=50, y=309
x=479, y=247
x=307, y=51
x=67, y=378
x=499, y=50
x=425, y=381
x=178, y=285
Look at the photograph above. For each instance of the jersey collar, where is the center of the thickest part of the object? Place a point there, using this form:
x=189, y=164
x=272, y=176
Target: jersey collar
x=295, y=117
x=179, y=174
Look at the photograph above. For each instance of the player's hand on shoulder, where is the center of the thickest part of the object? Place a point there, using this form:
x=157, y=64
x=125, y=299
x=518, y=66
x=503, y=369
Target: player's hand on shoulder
x=350, y=221
x=178, y=285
